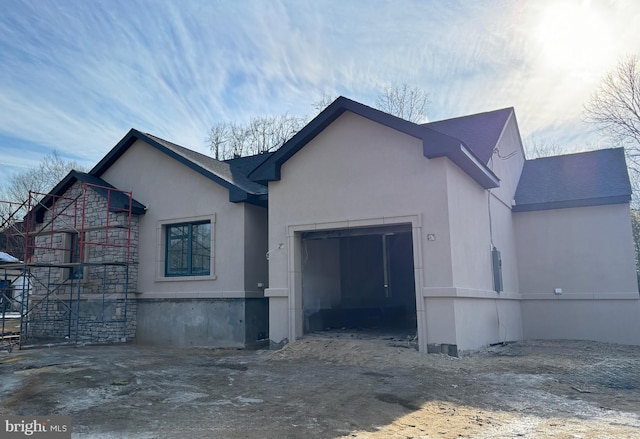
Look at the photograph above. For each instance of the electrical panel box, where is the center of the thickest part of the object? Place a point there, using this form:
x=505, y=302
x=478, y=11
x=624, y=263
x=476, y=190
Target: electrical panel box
x=496, y=260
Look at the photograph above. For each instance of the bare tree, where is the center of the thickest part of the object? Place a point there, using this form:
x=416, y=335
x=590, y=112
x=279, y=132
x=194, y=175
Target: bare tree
x=404, y=101
x=41, y=178
x=261, y=134
x=323, y=102
x=268, y=133
x=615, y=108
x=534, y=147
x=217, y=139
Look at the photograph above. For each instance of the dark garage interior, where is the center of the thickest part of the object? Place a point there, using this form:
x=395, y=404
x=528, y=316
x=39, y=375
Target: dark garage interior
x=359, y=279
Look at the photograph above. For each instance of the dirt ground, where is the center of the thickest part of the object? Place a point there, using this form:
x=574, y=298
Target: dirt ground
x=338, y=386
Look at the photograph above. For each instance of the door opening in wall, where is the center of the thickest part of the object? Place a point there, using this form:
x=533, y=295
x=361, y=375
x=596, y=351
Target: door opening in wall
x=359, y=280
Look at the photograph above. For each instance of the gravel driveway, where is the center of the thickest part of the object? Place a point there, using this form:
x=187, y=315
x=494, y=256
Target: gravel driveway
x=329, y=387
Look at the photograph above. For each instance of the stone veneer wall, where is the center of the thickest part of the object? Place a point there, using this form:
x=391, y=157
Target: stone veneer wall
x=107, y=274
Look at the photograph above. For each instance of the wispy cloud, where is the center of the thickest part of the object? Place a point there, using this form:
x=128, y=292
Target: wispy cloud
x=76, y=75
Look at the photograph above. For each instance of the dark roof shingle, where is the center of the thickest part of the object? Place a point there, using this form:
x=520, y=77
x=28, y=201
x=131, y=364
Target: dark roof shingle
x=574, y=180
x=247, y=164
x=480, y=132
x=222, y=169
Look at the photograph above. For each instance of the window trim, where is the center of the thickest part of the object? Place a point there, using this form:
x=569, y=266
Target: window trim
x=161, y=239
x=189, y=251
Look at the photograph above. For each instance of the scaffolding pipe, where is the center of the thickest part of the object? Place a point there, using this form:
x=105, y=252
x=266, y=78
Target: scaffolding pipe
x=65, y=214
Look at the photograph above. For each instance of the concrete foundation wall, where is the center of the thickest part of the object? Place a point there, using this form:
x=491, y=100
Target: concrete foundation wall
x=256, y=317
x=219, y=323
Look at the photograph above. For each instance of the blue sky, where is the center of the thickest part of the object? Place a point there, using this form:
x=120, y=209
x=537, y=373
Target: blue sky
x=76, y=75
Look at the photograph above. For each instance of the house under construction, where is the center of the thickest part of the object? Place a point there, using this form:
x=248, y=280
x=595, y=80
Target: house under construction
x=72, y=267
x=444, y=234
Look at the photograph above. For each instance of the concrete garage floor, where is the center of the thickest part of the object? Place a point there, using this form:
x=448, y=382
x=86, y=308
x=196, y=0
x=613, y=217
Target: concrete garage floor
x=330, y=387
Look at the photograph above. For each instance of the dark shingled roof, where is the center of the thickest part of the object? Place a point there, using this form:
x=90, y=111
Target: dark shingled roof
x=118, y=201
x=480, y=132
x=574, y=180
x=234, y=179
x=222, y=169
x=247, y=164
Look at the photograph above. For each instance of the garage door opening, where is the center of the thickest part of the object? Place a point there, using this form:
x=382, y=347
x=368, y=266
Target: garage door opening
x=359, y=279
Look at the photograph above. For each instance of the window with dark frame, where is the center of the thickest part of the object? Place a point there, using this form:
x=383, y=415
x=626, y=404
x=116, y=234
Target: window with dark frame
x=188, y=249
x=75, y=271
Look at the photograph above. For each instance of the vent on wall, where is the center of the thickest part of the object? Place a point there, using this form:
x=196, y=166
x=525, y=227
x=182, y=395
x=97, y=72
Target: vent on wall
x=496, y=260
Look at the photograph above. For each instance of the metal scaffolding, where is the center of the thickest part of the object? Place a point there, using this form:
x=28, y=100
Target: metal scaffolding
x=69, y=282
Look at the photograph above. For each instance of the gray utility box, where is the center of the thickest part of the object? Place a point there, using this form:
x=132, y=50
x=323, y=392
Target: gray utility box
x=496, y=260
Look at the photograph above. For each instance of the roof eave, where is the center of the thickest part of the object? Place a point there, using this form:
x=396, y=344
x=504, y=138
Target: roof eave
x=238, y=196
x=135, y=210
x=566, y=204
x=459, y=154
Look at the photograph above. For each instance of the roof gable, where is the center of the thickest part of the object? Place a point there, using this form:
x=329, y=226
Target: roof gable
x=583, y=179
x=233, y=178
x=480, y=132
x=435, y=143
x=118, y=201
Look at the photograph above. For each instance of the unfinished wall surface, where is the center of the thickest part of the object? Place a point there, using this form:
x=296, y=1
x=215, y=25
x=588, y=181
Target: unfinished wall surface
x=98, y=306
x=220, y=323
